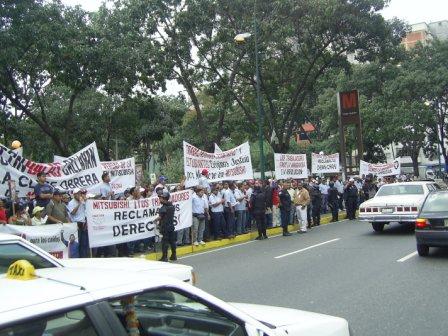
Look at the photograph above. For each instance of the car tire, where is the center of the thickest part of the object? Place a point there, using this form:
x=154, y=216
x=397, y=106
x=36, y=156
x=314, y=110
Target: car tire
x=378, y=227
x=422, y=250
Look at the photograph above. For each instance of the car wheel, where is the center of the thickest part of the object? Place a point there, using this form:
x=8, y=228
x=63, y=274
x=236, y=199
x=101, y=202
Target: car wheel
x=423, y=250
x=378, y=227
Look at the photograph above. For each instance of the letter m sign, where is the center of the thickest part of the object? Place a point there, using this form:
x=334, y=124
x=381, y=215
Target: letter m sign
x=348, y=105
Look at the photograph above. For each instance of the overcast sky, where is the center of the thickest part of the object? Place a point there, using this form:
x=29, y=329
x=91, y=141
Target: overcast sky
x=412, y=11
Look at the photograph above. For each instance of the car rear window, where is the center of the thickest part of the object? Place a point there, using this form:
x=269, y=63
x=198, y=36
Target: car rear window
x=411, y=189
x=437, y=202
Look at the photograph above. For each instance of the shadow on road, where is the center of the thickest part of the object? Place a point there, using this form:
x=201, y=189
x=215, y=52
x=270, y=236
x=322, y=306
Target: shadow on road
x=438, y=253
x=394, y=229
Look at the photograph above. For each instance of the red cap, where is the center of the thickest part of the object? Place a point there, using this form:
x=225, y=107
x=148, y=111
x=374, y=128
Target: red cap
x=204, y=172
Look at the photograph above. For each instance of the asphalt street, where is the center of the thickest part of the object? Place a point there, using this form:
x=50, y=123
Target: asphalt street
x=374, y=280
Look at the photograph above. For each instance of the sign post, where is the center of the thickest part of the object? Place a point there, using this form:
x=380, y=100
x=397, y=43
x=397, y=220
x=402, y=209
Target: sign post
x=348, y=110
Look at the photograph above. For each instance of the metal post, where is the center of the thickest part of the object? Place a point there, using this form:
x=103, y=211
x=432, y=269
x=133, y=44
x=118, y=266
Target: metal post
x=259, y=103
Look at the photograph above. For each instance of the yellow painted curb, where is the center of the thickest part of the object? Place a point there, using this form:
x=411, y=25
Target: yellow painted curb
x=185, y=250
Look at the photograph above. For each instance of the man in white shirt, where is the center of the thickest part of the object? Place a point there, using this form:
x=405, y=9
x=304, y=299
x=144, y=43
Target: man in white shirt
x=229, y=210
x=249, y=189
x=323, y=187
x=240, y=209
x=105, y=188
x=340, y=188
x=216, y=202
x=203, y=181
x=77, y=213
x=199, y=208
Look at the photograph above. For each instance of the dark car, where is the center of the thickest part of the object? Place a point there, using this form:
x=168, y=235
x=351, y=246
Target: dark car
x=431, y=227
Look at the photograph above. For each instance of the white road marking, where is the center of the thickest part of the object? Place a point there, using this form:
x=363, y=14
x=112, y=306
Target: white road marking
x=409, y=256
x=223, y=248
x=306, y=248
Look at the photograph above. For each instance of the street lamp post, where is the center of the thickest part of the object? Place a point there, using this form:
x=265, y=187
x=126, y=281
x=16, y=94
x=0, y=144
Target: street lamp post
x=240, y=38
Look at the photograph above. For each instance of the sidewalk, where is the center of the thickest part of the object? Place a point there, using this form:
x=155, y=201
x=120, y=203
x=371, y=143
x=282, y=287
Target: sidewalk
x=185, y=250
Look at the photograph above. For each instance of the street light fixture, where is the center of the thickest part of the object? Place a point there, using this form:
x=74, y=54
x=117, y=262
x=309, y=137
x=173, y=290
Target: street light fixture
x=241, y=39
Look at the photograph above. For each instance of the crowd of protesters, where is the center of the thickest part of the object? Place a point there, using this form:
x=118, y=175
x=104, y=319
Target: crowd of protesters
x=220, y=210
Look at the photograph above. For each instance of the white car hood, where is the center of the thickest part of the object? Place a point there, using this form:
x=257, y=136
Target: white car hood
x=296, y=322
x=178, y=271
x=395, y=200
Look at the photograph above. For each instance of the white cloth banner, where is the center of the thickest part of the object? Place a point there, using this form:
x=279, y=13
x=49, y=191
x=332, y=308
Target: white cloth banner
x=116, y=222
x=47, y=237
x=81, y=170
x=217, y=149
x=325, y=163
x=380, y=169
x=290, y=166
x=234, y=164
x=121, y=172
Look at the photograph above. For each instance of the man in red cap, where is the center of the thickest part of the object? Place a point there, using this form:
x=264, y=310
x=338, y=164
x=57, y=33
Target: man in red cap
x=203, y=181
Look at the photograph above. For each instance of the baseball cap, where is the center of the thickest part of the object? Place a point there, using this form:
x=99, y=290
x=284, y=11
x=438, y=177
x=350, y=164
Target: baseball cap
x=351, y=179
x=204, y=172
x=57, y=192
x=79, y=190
x=37, y=209
x=163, y=178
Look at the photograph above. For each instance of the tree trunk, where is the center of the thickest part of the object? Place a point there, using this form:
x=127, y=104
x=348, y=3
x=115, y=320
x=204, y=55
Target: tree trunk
x=414, y=159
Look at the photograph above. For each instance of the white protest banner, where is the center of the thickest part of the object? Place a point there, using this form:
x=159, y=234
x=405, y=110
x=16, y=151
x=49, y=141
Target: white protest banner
x=217, y=149
x=290, y=166
x=122, y=174
x=81, y=170
x=380, y=169
x=321, y=163
x=116, y=222
x=234, y=164
x=47, y=237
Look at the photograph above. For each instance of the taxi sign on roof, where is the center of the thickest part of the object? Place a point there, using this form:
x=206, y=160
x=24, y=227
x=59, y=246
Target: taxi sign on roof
x=21, y=270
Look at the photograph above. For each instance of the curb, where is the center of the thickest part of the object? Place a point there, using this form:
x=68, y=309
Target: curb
x=191, y=249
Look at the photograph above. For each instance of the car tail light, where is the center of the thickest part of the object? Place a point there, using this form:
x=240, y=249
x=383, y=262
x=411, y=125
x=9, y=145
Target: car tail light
x=421, y=223
x=399, y=208
x=415, y=209
x=407, y=209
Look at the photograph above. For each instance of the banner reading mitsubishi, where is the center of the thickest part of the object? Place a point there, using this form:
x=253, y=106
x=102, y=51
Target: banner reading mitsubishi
x=380, y=169
x=290, y=166
x=52, y=238
x=234, y=164
x=116, y=222
x=321, y=163
x=81, y=170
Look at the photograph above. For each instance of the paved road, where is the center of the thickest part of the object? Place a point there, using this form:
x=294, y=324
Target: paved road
x=352, y=272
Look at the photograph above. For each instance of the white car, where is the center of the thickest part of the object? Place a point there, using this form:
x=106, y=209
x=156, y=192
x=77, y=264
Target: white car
x=396, y=202
x=13, y=248
x=71, y=302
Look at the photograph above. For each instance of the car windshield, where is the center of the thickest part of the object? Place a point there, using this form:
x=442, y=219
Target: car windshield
x=400, y=189
x=436, y=203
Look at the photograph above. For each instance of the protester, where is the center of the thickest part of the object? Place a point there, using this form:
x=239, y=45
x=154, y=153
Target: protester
x=229, y=210
x=55, y=210
x=340, y=187
x=77, y=212
x=3, y=215
x=207, y=216
x=38, y=216
x=21, y=216
x=301, y=202
x=333, y=202
x=285, y=208
x=105, y=188
x=351, y=199
x=323, y=187
x=216, y=202
x=199, y=208
x=203, y=181
x=43, y=191
x=268, y=213
x=240, y=209
x=249, y=190
x=258, y=205
x=292, y=193
x=166, y=226
x=162, y=183
x=316, y=202
x=276, y=221
x=72, y=244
